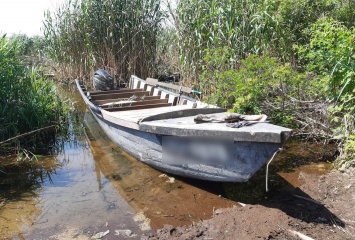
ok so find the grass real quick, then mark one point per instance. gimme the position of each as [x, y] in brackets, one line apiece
[28, 101]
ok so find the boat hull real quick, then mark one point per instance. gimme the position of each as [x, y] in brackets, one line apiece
[216, 159]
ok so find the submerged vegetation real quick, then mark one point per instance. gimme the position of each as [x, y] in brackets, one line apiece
[28, 101]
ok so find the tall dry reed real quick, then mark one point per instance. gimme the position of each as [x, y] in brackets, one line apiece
[119, 36]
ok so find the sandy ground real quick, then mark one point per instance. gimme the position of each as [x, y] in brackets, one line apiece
[322, 207]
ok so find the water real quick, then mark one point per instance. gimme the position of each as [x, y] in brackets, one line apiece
[64, 196]
[92, 186]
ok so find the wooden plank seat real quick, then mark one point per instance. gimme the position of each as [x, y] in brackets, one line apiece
[143, 106]
[137, 103]
[95, 93]
[119, 95]
[100, 103]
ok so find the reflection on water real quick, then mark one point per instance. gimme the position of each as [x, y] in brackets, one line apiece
[163, 199]
[61, 196]
[91, 186]
[20, 185]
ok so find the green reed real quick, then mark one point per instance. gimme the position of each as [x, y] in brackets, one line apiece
[117, 35]
[28, 101]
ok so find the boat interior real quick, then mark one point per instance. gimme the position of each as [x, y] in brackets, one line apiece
[153, 106]
[144, 94]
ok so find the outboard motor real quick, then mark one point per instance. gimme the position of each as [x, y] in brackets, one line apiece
[103, 80]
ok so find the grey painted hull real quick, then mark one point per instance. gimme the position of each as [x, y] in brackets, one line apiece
[169, 140]
[237, 162]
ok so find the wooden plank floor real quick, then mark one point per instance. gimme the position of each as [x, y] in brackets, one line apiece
[137, 115]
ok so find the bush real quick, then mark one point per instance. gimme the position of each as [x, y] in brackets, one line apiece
[330, 54]
[261, 84]
[28, 101]
[264, 85]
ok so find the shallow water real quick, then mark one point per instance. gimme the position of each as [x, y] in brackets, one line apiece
[93, 186]
[65, 196]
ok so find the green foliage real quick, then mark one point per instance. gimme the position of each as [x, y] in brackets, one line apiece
[345, 12]
[344, 133]
[27, 100]
[255, 80]
[330, 54]
[350, 146]
[296, 16]
[250, 27]
[348, 159]
[217, 77]
[28, 46]
[113, 34]
[261, 84]
[264, 85]
[243, 27]
[31, 49]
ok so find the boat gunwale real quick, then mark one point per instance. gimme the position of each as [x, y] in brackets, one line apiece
[91, 105]
[146, 124]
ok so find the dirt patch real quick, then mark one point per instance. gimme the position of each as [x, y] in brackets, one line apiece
[322, 207]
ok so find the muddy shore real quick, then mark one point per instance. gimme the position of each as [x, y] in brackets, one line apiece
[322, 207]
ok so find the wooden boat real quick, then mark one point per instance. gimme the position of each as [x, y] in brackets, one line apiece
[156, 126]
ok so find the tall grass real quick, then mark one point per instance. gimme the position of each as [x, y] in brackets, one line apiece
[27, 100]
[117, 35]
[244, 27]
[220, 41]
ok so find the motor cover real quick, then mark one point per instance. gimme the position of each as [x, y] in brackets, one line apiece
[103, 81]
